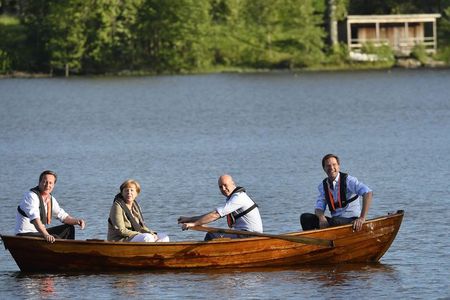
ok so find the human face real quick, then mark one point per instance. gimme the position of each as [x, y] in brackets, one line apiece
[47, 184]
[226, 185]
[332, 168]
[129, 193]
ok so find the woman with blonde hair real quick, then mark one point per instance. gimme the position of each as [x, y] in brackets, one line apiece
[126, 222]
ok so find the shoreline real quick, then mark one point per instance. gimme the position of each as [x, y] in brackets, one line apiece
[399, 64]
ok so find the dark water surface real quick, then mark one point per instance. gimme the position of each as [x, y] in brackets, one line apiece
[177, 134]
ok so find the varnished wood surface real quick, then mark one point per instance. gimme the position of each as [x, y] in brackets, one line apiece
[367, 245]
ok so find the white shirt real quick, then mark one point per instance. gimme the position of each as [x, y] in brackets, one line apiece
[240, 202]
[30, 205]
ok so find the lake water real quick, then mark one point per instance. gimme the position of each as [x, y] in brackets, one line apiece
[177, 134]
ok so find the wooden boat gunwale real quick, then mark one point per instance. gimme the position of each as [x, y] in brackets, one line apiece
[377, 236]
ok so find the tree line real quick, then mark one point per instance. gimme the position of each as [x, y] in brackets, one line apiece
[176, 36]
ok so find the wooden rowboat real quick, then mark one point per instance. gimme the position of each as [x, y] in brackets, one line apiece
[368, 245]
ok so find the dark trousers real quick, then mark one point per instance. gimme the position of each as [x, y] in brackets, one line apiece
[311, 221]
[66, 232]
[210, 236]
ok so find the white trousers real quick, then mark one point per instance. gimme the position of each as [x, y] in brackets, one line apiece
[150, 238]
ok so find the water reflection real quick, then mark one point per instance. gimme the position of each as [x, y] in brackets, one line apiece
[47, 286]
[125, 285]
[44, 284]
[341, 275]
[287, 281]
[259, 282]
[326, 276]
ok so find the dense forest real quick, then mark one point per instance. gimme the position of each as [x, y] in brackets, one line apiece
[179, 36]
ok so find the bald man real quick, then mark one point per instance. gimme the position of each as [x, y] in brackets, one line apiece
[241, 211]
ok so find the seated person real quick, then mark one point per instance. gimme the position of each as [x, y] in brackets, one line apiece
[242, 212]
[126, 222]
[341, 193]
[37, 208]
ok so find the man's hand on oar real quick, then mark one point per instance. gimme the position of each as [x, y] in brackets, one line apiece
[186, 226]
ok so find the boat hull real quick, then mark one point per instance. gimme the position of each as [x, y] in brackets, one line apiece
[368, 245]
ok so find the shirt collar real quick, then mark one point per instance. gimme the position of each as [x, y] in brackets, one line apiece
[336, 180]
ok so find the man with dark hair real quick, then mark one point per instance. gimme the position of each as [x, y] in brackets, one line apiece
[340, 192]
[37, 208]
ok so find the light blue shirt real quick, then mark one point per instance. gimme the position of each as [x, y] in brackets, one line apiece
[354, 187]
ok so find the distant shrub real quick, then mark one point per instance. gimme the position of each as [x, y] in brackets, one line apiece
[443, 54]
[5, 62]
[338, 55]
[419, 52]
[384, 52]
[13, 50]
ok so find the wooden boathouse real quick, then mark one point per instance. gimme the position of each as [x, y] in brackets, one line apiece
[400, 32]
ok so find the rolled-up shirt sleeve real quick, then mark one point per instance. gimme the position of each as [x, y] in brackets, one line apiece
[321, 203]
[356, 186]
[30, 205]
[231, 205]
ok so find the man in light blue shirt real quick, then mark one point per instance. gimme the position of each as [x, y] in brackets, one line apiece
[340, 192]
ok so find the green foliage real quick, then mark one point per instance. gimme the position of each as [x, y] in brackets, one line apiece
[5, 62]
[175, 36]
[67, 39]
[219, 11]
[338, 56]
[444, 28]
[281, 33]
[384, 53]
[419, 52]
[341, 9]
[110, 35]
[6, 20]
[444, 54]
[12, 39]
[34, 18]
[172, 38]
[225, 40]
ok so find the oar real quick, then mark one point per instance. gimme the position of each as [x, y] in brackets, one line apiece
[296, 239]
